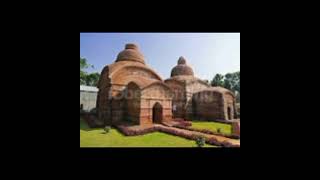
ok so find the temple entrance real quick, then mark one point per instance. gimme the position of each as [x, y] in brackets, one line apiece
[157, 113]
[229, 114]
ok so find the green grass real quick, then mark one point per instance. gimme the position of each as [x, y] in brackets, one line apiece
[213, 126]
[96, 137]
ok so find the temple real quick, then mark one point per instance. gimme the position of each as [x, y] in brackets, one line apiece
[131, 91]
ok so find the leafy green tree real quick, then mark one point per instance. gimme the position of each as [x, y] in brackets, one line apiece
[85, 78]
[92, 79]
[83, 66]
[218, 80]
[232, 81]
[229, 81]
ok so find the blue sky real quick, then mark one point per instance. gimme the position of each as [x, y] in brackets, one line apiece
[207, 53]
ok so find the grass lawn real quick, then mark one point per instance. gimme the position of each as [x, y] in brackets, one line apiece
[213, 126]
[96, 138]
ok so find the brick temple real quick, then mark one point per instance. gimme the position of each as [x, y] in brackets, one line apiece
[130, 90]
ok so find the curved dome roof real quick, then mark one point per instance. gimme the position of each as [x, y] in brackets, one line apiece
[130, 53]
[182, 69]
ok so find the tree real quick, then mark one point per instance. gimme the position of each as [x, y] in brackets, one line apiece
[85, 78]
[232, 81]
[218, 80]
[92, 79]
[83, 66]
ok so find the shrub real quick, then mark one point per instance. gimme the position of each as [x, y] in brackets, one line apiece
[107, 129]
[219, 130]
[200, 141]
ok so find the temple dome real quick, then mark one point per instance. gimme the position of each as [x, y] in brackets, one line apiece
[130, 53]
[182, 69]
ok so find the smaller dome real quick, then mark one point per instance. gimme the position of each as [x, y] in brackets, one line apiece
[181, 60]
[182, 69]
[132, 46]
[130, 53]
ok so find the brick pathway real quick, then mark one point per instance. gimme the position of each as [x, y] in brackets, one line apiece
[220, 139]
[166, 128]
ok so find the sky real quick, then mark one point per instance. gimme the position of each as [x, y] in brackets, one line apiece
[207, 53]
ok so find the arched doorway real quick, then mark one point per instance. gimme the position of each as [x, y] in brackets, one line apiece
[230, 117]
[157, 113]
